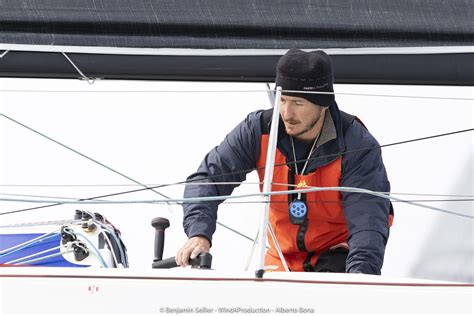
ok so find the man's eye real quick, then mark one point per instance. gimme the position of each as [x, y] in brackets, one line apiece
[299, 102]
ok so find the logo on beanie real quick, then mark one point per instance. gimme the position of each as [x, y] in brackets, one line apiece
[316, 87]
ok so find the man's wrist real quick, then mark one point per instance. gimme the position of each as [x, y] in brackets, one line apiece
[202, 236]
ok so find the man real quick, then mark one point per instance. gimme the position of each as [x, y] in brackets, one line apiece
[326, 231]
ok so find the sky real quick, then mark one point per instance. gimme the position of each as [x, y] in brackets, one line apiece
[158, 133]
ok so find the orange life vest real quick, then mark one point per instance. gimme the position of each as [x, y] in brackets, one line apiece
[326, 225]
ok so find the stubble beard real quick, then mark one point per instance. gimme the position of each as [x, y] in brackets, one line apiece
[307, 128]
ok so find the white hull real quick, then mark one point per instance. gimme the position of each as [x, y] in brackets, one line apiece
[187, 291]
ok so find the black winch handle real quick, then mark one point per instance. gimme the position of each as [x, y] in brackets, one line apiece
[202, 261]
[160, 224]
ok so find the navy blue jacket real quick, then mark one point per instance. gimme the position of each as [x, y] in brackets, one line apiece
[366, 215]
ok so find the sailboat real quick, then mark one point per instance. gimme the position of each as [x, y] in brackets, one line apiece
[74, 254]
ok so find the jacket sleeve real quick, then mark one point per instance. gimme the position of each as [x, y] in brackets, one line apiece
[236, 156]
[366, 215]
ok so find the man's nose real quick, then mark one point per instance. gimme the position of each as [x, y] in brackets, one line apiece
[287, 113]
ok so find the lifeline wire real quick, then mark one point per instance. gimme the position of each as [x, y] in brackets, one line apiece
[40, 196]
[147, 188]
[224, 197]
[202, 183]
[259, 202]
[248, 170]
[79, 153]
[191, 183]
[268, 91]
[237, 91]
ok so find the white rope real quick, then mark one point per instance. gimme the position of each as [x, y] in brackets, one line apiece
[42, 196]
[224, 197]
[108, 228]
[48, 223]
[114, 256]
[18, 260]
[238, 91]
[26, 243]
[194, 183]
[128, 185]
[44, 257]
[82, 155]
[62, 222]
[83, 76]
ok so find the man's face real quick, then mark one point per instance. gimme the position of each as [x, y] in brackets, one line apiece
[301, 117]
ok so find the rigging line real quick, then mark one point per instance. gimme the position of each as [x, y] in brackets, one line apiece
[235, 231]
[198, 183]
[27, 243]
[319, 202]
[48, 223]
[122, 185]
[81, 154]
[379, 95]
[333, 202]
[224, 197]
[435, 195]
[91, 159]
[239, 91]
[40, 196]
[470, 198]
[336, 201]
[248, 170]
[19, 260]
[111, 248]
[44, 257]
[304, 160]
[112, 232]
[90, 80]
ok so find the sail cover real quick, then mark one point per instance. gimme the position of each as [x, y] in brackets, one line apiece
[380, 42]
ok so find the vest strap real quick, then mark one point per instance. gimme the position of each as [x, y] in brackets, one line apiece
[303, 228]
[307, 267]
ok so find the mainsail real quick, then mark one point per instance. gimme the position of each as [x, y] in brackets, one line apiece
[376, 42]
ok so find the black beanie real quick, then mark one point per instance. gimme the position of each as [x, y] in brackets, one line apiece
[306, 71]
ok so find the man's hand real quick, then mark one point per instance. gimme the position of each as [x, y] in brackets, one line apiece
[192, 247]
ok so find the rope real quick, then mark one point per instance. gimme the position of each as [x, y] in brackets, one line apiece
[45, 257]
[224, 197]
[246, 171]
[19, 260]
[196, 183]
[238, 91]
[109, 243]
[26, 243]
[80, 154]
[469, 198]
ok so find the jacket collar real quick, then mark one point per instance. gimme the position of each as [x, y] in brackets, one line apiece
[330, 143]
